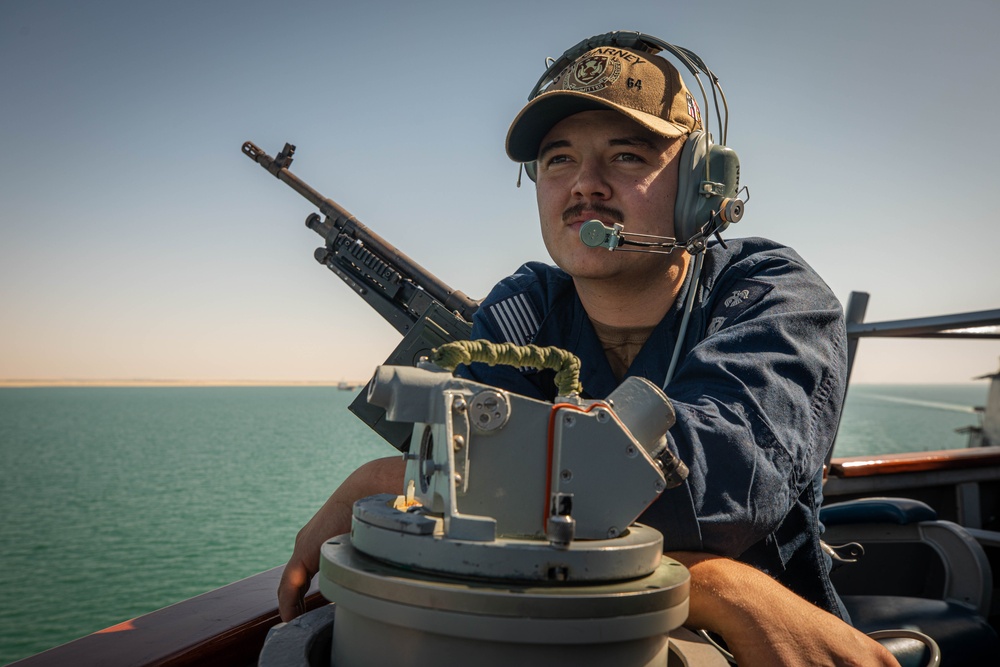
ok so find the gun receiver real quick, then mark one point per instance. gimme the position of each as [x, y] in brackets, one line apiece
[425, 310]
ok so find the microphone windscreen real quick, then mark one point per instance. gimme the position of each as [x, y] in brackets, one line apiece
[593, 233]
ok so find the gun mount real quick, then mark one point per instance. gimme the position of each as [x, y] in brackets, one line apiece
[514, 540]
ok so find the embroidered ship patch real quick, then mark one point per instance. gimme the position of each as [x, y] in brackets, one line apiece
[735, 301]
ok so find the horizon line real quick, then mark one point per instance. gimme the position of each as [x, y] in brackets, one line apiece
[348, 384]
[152, 382]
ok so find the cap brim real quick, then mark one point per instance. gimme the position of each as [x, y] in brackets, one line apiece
[541, 114]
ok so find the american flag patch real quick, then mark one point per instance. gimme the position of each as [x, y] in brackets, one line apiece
[516, 318]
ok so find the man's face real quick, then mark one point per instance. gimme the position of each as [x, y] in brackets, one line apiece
[601, 165]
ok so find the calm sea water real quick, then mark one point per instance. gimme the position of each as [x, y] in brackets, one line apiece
[118, 501]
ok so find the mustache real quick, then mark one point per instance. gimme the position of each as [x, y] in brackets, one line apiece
[577, 209]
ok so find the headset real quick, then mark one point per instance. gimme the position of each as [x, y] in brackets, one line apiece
[709, 180]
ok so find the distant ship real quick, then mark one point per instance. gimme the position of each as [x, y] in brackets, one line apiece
[987, 432]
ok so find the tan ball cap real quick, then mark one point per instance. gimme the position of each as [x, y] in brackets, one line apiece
[644, 87]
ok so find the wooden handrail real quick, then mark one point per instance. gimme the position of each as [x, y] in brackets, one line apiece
[223, 628]
[905, 462]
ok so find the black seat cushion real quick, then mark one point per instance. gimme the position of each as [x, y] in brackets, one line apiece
[965, 638]
[899, 511]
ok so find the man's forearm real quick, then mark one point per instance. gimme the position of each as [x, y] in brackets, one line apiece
[334, 518]
[766, 624]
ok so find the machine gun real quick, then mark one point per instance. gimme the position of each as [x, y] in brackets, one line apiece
[426, 311]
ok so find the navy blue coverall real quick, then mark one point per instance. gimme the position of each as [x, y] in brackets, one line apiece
[758, 392]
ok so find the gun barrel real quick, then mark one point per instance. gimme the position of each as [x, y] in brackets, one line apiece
[339, 219]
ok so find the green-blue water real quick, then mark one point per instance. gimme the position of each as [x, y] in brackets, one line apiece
[907, 418]
[118, 501]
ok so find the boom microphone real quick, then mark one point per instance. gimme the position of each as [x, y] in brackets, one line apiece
[595, 234]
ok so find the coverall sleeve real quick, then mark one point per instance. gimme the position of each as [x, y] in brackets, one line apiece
[758, 398]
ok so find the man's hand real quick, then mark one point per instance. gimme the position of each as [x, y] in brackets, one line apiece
[765, 624]
[334, 518]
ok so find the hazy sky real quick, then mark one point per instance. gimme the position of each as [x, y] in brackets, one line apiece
[136, 241]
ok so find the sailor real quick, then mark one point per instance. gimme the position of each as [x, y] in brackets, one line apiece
[760, 369]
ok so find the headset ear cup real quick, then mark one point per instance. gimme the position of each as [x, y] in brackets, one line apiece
[699, 213]
[691, 170]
